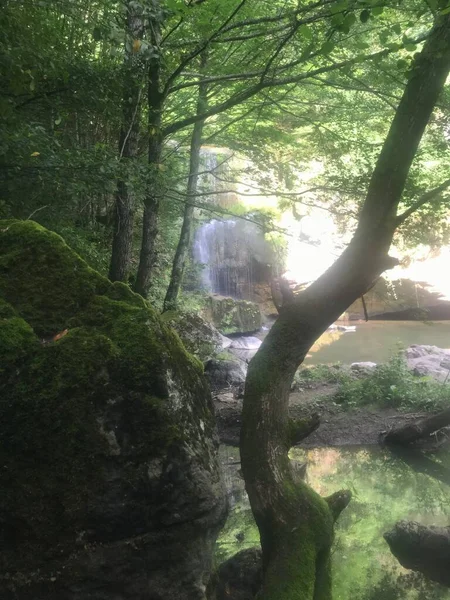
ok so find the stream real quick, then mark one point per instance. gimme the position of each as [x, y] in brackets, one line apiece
[385, 489]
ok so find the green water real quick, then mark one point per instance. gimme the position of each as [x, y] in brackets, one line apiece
[376, 340]
[385, 490]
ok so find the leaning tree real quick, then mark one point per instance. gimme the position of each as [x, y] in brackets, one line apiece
[295, 523]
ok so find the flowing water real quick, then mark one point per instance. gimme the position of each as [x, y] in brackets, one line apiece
[385, 490]
[234, 256]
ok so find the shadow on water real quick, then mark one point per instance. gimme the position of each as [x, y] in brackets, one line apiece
[422, 464]
[386, 488]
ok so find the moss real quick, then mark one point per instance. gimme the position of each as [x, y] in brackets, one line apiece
[234, 316]
[17, 338]
[45, 281]
[71, 405]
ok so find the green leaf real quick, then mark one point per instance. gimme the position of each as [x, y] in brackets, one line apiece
[364, 16]
[58, 121]
[377, 10]
[445, 11]
[327, 47]
[410, 47]
[305, 32]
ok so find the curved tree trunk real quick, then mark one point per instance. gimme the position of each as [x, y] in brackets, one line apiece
[128, 147]
[179, 262]
[420, 548]
[295, 523]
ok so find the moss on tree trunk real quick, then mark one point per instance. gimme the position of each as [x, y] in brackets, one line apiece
[295, 523]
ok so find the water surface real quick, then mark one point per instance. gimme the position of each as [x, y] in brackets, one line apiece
[376, 341]
[385, 489]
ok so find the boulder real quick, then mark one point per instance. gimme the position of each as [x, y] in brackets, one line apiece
[110, 481]
[429, 361]
[234, 316]
[225, 373]
[199, 337]
[240, 577]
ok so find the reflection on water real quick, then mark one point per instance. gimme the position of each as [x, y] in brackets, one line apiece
[376, 340]
[385, 489]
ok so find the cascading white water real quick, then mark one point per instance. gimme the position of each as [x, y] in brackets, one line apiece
[233, 254]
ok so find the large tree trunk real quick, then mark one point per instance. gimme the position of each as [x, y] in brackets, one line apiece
[128, 146]
[412, 432]
[420, 548]
[295, 523]
[147, 257]
[179, 262]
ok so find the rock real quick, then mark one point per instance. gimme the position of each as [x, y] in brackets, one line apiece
[110, 480]
[240, 577]
[429, 361]
[234, 316]
[225, 373]
[200, 338]
[363, 366]
[227, 397]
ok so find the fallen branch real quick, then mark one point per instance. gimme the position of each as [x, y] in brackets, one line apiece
[412, 432]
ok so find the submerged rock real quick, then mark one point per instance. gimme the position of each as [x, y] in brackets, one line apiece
[110, 482]
[234, 316]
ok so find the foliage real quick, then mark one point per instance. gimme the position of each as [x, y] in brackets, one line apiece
[393, 385]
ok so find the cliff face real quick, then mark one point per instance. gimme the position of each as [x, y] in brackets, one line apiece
[111, 487]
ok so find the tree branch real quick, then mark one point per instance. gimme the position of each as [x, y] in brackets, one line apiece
[424, 199]
[199, 50]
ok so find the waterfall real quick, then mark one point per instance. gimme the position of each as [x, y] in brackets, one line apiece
[234, 255]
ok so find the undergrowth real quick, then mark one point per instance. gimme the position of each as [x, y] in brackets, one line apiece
[393, 385]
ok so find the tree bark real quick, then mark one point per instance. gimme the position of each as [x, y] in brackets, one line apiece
[179, 262]
[415, 431]
[128, 146]
[295, 523]
[147, 257]
[420, 548]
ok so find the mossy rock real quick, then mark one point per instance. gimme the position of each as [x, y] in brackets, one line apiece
[199, 336]
[234, 316]
[106, 434]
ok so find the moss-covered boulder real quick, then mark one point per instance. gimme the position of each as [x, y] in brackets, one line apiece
[199, 336]
[234, 316]
[110, 484]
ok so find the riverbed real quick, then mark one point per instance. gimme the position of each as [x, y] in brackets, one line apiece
[385, 488]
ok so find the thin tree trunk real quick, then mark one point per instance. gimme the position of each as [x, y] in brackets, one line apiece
[295, 523]
[124, 205]
[420, 548]
[147, 256]
[179, 262]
